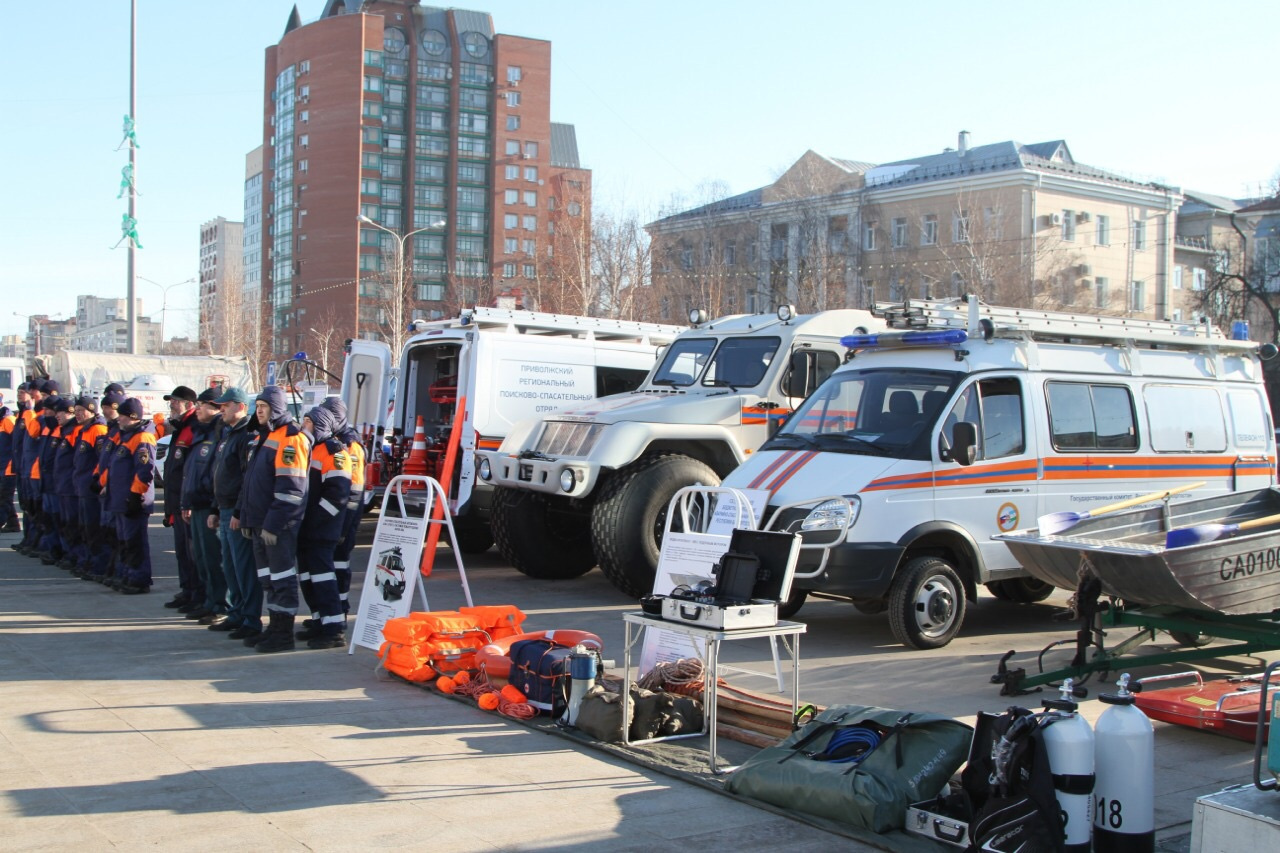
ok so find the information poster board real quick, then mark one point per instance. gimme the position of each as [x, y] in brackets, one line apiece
[391, 579]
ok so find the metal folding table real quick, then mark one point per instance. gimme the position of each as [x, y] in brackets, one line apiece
[788, 632]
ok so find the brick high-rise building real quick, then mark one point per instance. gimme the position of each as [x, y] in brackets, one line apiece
[423, 121]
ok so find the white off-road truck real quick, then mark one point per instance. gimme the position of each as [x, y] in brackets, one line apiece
[589, 485]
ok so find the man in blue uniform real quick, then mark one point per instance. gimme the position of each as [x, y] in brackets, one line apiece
[131, 496]
[244, 593]
[197, 507]
[271, 507]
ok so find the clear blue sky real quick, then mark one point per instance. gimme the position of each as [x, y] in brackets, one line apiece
[668, 98]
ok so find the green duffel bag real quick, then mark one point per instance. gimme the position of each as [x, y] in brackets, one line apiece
[858, 765]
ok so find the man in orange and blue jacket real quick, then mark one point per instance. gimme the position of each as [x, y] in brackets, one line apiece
[272, 502]
[8, 515]
[131, 496]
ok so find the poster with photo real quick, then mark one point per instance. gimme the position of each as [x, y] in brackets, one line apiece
[685, 559]
[391, 579]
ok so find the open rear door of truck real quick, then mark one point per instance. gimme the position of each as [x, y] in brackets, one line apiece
[368, 384]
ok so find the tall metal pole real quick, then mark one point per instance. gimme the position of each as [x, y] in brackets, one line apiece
[133, 170]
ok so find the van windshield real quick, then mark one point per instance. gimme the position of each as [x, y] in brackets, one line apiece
[737, 363]
[885, 412]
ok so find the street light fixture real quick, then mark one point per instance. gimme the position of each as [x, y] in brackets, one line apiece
[397, 304]
[164, 303]
[39, 328]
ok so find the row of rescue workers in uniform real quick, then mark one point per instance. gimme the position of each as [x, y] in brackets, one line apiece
[262, 508]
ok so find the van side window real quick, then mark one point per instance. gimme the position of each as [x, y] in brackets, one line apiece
[995, 407]
[1183, 419]
[1084, 416]
[617, 380]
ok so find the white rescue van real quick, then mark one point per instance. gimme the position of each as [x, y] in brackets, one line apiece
[508, 366]
[968, 421]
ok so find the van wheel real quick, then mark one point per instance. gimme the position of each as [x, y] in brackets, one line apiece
[790, 607]
[997, 589]
[1027, 590]
[473, 537]
[870, 606]
[926, 603]
[538, 540]
[627, 523]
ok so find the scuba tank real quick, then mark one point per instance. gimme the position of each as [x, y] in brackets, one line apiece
[1068, 740]
[1124, 757]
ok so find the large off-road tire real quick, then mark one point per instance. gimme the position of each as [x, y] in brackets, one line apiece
[926, 603]
[1021, 590]
[539, 539]
[473, 537]
[631, 509]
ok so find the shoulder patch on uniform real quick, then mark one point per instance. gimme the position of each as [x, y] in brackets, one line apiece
[144, 454]
[340, 460]
[289, 455]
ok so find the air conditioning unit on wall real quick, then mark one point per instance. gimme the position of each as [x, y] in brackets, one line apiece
[1053, 219]
[1084, 216]
[1085, 269]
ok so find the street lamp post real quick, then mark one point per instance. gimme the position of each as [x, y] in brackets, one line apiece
[36, 324]
[164, 302]
[397, 303]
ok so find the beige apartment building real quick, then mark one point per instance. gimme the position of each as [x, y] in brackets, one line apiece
[1022, 225]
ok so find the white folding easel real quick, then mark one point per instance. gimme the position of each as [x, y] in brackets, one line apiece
[702, 509]
[411, 531]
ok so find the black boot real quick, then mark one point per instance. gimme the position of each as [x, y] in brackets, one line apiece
[310, 630]
[279, 637]
[327, 641]
[273, 623]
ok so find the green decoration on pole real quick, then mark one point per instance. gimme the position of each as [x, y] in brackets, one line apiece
[130, 136]
[126, 181]
[129, 230]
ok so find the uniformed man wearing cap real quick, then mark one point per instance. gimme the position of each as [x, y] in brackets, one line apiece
[197, 507]
[328, 489]
[107, 551]
[23, 414]
[272, 502]
[8, 515]
[49, 548]
[181, 429]
[30, 472]
[130, 496]
[355, 503]
[90, 444]
[68, 520]
[231, 460]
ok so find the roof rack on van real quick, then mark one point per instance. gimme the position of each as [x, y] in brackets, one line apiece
[982, 321]
[517, 321]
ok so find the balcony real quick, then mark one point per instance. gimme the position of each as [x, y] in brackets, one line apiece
[1193, 244]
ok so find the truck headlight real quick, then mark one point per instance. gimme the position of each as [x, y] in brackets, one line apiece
[835, 514]
[485, 471]
[568, 479]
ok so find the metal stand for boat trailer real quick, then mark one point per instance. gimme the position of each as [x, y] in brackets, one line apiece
[1250, 633]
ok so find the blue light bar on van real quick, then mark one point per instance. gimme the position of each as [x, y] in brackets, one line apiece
[939, 337]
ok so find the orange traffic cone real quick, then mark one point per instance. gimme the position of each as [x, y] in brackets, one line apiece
[416, 463]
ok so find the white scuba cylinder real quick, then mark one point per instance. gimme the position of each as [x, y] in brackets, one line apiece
[1123, 792]
[1068, 739]
[582, 675]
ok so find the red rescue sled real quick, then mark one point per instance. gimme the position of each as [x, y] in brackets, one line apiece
[1227, 706]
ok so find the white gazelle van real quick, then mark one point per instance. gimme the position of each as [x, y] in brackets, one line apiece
[964, 421]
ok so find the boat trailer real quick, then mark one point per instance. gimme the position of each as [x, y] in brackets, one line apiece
[1193, 629]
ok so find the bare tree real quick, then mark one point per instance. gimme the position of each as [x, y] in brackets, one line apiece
[621, 266]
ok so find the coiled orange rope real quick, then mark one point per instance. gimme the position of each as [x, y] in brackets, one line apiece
[479, 686]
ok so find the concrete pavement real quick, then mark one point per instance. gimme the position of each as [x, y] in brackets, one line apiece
[124, 726]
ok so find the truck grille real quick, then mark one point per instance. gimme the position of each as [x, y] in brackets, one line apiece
[566, 438]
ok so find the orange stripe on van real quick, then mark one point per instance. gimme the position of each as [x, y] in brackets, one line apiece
[791, 471]
[770, 468]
